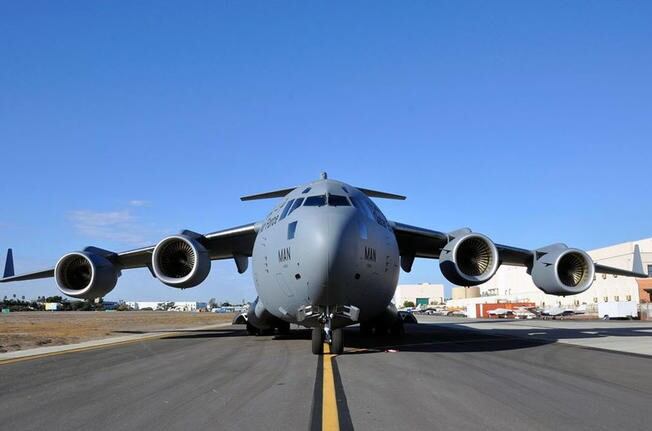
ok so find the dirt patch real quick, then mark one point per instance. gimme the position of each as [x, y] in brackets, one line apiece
[25, 330]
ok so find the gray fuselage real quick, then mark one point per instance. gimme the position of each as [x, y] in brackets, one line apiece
[325, 244]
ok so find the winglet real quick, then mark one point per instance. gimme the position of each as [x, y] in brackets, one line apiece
[9, 265]
[637, 261]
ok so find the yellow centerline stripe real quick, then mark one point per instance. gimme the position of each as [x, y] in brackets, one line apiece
[329, 415]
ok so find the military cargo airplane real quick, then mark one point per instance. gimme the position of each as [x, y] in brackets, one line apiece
[325, 257]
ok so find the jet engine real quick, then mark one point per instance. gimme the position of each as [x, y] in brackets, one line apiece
[559, 270]
[85, 275]
[468, 259]
[181, 261]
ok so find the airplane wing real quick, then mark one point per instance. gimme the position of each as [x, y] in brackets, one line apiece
[420, 242]
[234, 243]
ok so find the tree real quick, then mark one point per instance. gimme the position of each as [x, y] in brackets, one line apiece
[123, 306]
[409, 304]
[212, 303]
[54, 299]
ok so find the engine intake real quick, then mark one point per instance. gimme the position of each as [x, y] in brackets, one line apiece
[85, 275]
[559, 270]
[181, 261]
[469, 259]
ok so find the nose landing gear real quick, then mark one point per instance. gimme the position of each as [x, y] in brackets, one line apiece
[317, 341]
[323, 316]
[337, 342]
[333, 337]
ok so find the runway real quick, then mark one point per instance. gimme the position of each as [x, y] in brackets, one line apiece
[436, 377]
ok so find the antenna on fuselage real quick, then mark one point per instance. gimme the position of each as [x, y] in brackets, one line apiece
[323, 175]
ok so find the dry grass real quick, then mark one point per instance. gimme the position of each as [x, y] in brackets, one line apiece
[24, 330]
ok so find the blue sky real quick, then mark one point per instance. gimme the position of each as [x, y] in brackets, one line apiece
[121, 122]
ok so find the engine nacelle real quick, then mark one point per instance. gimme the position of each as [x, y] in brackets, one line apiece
[469, 259]
[85, 275]
[558, 270]
[181, 261]
[260, 318]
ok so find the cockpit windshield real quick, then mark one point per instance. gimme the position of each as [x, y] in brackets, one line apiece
[338, 201]
[315, 201]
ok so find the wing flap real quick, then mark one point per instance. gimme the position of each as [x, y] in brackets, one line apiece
[604, 269]
[46, 273]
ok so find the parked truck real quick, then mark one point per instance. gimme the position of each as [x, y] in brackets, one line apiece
[618, 310]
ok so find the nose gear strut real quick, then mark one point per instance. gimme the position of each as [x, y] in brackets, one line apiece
[325, 332]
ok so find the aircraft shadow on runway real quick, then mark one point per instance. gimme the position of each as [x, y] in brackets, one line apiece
[424, 337]
[191, 333]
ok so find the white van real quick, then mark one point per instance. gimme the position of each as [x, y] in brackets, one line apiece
[618, 310]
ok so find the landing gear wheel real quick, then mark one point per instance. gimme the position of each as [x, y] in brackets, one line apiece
[337, 342]
[381, 329]
[284, 328]
[251, 329]
[397, 328]
[317, 341]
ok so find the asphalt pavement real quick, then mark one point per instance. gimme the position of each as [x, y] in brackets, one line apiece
[436, 377]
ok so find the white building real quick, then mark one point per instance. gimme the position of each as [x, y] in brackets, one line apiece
[167, 305]
[515, 285]
[420, 294]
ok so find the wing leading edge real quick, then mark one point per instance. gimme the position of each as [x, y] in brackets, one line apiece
[234, 243]
[415, 241]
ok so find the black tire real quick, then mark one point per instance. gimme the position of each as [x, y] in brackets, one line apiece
[284, 328]
[380, 329]
[251, 329]
[337, 342]
[317, 341]
[605, 317]
[397, 328]
[366, 329]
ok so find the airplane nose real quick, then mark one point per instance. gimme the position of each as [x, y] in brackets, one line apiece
[332, 253]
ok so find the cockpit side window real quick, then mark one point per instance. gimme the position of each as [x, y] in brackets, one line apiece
[315, 201]
[362, 206]
[306, 190]
[378, 215]
[292, 230]
[338, 201]
[286, 209]
[297, 204]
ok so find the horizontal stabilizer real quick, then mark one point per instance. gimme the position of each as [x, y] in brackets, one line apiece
[378, 194]
[267, 195]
